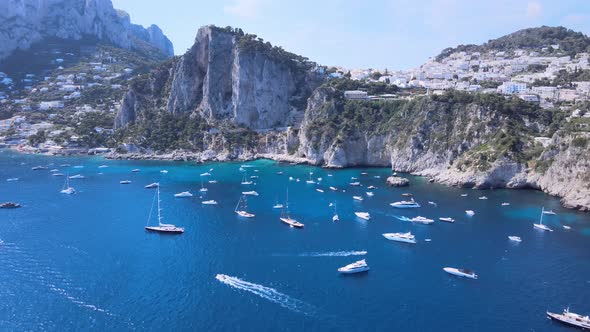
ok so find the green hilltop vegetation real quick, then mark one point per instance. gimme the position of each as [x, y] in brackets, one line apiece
[569, 41]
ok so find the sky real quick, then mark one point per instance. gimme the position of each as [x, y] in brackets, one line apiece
[392, 34]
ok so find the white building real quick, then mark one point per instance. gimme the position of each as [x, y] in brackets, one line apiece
[512, 87]
[356, 95]
[47, 105]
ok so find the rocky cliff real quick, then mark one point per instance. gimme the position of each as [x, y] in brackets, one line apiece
[227, 76]
[25, 22]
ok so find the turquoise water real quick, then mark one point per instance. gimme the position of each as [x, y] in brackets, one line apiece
[84, 262]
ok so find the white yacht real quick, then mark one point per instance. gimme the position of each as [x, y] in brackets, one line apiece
[66, 188]
[505, 204]
[12, 179]
[400, 237]
[77, 176]
[319, 190]
[422, 220]
[286, 216]
[164, 171]
[405, 204]
[335, 218]
[333, 188]
[371, 187]
[57, 174]
[241, 208]
[460, 272]
[469, 213]
[210, 202]
[370, 193]
[137, 170]
[571, 318]
[183, 194]
[447, 219]
[540, 224]
[125, 182]
[482, 197]
[358, 198]
[567, 227]
[278, 206]
[356, 184]
[549, 212]
[356, 267]
[515, 238]
[212, 181]
[363, 215]
[251, 193]
[205, 174]
[162, 228]
[432, 203]
[152, 185]
[463, 195]
[103, 166]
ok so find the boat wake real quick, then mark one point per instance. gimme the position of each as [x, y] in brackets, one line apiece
[402, 218]
[268, 293]
[334, 254]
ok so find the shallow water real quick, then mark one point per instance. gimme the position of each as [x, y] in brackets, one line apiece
[84, 262]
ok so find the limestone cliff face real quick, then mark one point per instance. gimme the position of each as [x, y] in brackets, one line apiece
[25, 22]
[223, 81]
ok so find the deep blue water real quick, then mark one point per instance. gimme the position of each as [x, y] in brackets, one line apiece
[84, 262]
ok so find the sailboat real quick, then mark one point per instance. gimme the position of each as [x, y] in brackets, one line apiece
[161, 228]
[66, 188]
[335, 217]
[245, 180]
[241, 208]
[540, 224]
[203, 189]
[286, 217]
[310, 181]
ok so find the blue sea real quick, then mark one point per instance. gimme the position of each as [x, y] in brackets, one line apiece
[85, 263]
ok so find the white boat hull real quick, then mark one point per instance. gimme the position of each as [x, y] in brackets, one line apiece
[457, 272]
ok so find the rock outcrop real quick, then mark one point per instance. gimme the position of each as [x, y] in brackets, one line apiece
[25, 22]
[226, 76]
[396, 181]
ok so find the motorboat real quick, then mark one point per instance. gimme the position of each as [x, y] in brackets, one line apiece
[540, 225]
[38, 168]
[483, 197]
[333, 188]
[164, 171]
[447, 219]
[370, 193]
[460, 272]
[356, 184]
[567, 227]
[358, 198]
[205, 174]
[210, 202]
[549, 212]
[212, 181]
[278, 206]
[363, 215]
[152, 185]
[400, 237]
[137, 170]
[161, 227]
[405, 204]
[9, 205]
[251, 193]
[470, 213]
[356, 267]
[12, 179]
[505, 204]
[570, 318]
[463, 195]
[183, 194]
[125, 182]
[103, 166]
[432, 203]
[58, 174]
[77, 176]
[335, 218]
[515, 238]
[371, 187]
[422, 220]
[319, 190]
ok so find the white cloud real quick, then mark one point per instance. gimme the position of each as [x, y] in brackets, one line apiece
[244, 8]
[533, 9]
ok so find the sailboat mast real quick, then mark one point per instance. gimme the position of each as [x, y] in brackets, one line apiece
[542, 212]
[159, 210]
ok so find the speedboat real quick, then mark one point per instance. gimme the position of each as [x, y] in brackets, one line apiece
[461, 272]
[205, 174]
[405, 204]
[567, 227]
[9, 205]
[371, 187]
[203, 190]
[505, 204]
[515, 238]
[400, 237]
[12, 179]
[278, 206]
[251, 193]
[210, 202]
[482, 197]
[152, 185]
[319, 190]
[356, 184]
[432, 203]
[570, 318]
[77, 176]
[164, 171]
[370, 194]
[333, 188]
[246, 182]
[469, 212]
[549, 212]
[54, 170]
[124, 182]
[422, 220]
[183, 194]
[212, 181]
[463, 195]
[310, 181]
[356, 267]
[363, 215]
[447, 219]
[135, 170]
[358, 198]
[38, 168]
